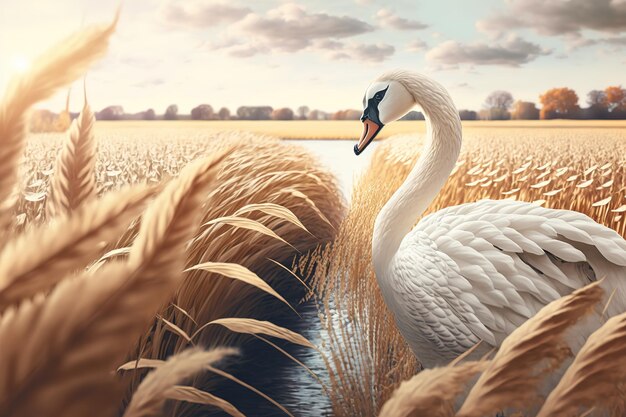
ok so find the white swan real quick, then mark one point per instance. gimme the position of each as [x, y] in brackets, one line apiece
[475, 271]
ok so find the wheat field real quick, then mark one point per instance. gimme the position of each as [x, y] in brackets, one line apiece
[139, 258]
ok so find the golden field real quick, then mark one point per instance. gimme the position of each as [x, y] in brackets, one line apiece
[329, 129]
[138, 257]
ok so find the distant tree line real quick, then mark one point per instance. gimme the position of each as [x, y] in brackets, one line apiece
[556, 103]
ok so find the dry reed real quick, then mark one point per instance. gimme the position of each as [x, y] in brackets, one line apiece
[596, 378]
[432, 392]
[528, 354]
[38, 259]
[260, 174]
[74, 181]
[59, 66]
[150, 397]
[78, 319]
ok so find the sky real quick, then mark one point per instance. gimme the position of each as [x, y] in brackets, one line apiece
[323, 53]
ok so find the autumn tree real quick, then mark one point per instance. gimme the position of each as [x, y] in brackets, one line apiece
[171, 113]
[559, 103]
[616, 98]
[303, 112]
[254, 112]
[110, 113]
[498, 104]
[524, 110]
[224, 113]
[282, 114]
[347, 115]
[202, 112]
[598, 105]
[468, 115]
[318, 115]
[149, 114]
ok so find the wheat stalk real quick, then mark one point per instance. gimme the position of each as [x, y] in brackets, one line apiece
[36, 260]
[150, 397]
[431, 392]
[57, 67]
[194, 395]
[596, 376]
[512, 378]
[87, 324]
[74, 181]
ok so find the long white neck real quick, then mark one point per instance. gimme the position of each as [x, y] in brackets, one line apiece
[440, 153]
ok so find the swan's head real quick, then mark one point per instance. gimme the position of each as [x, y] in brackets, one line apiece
[385, 101]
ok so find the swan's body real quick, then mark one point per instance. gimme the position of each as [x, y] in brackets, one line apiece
[476, 271]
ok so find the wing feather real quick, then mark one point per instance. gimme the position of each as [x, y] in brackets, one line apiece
[515, 257]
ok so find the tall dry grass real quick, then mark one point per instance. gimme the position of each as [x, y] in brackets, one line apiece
[596, 378]
[70, 311]
[510, 380]
[74, 181]
[236, 229]
[582, 170]
[61, 65]
[515, 375]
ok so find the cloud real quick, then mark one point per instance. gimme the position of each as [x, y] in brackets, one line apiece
[200, 13]
[513, 52]
[558, 17]
[389, 19]
[417, 46]
[291, 28]
[362, 52]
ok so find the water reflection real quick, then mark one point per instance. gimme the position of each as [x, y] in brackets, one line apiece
[264, 367]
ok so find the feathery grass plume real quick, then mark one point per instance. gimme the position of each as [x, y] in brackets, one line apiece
[151, 395]
[194, 395]
[257, 171]
[59, 66]
[512, 377]
[431, 392]
[38, 259]
[596, 376]
[74, 180]
[87, 324]
[251, 326]
[172, 216]
[355, 318]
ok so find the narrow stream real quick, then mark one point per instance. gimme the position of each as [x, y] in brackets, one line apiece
[264, 367]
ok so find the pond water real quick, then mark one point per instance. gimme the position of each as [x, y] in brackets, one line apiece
[269, 370]
[339, 158]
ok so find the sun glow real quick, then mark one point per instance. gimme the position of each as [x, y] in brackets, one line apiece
[20, 64]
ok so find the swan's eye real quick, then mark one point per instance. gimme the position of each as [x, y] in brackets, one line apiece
[378, 96]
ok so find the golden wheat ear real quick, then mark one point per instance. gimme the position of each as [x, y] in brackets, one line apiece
[431, 392]
[597, 374]
[512, 378]
[153, 392]
[88, 324]
[38, 259]
[74, 180]
[56, 68]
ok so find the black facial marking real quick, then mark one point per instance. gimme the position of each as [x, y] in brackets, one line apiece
[371, 111]
[381, 94]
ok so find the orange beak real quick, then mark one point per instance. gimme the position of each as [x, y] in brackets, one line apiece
[370, 130]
